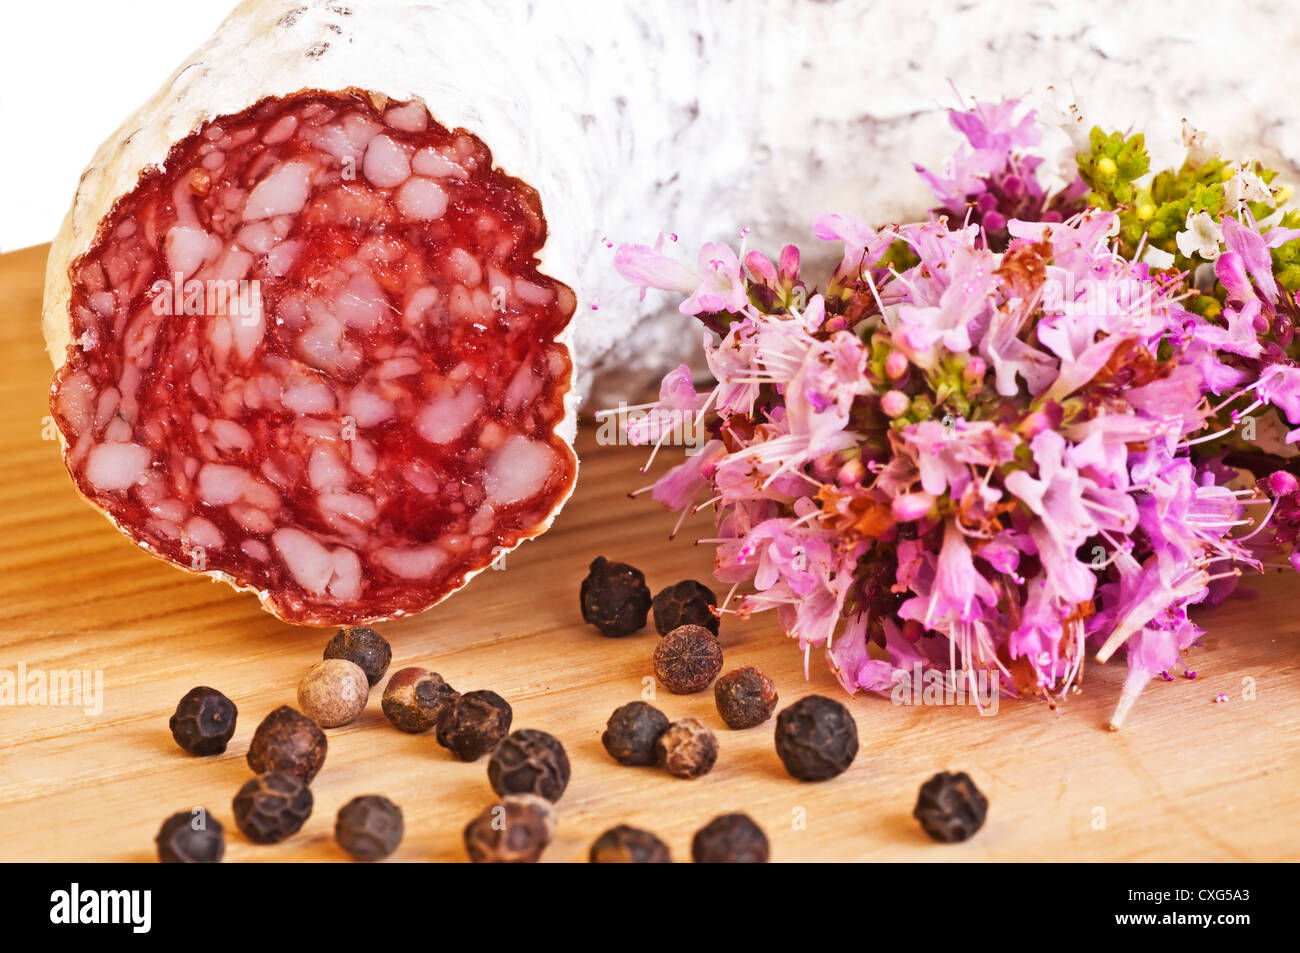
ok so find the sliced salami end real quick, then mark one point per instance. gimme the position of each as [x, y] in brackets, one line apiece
[313, 354]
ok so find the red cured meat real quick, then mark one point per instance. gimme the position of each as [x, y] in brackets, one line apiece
[313, 353]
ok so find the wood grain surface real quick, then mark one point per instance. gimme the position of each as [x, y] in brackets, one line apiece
[1187, 778]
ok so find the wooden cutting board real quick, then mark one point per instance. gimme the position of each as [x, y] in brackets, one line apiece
[1187, 778]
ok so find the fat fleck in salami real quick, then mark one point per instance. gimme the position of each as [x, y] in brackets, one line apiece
[315, 354]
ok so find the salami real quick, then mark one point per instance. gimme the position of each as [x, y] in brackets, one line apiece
[315, 354]
[312, 307]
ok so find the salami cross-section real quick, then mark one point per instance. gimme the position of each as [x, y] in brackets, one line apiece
[312, 353]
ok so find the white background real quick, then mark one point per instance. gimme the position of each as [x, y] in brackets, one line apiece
[70, 72]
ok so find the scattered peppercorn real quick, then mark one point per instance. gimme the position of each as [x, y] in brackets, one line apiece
[513, 831]
[369, 827]
[615, 598]
[746, 697]
[687, 659]
[364, 647]
[631, 733]
[272, 806]
[816, 738]
[730, 839]
[288, 741]
[473, 723]
[529, 762]
[204, 721]
[415, 698]
[191, 837]
[333, 692]
[950, 807]
[685, 603]
[687, 749]
[629, 845]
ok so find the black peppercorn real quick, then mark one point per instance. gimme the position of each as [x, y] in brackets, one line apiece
[615, 598]
[363, 647]
[631, 733]
[191, 837]
[288, 741]
[950, 807]
[369, 827]
[745, 697]
[687, 749]
[685, 603]
[415, 698]
[513, 831]
[272, 806]
[730, 839]
[629, 845]
[529, 762]
[473, 723]
[204, 721]
[816, 738]
[687, 659]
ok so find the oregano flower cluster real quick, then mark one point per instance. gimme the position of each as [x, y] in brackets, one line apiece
[1007, 439]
